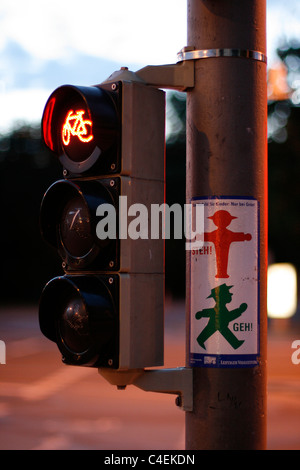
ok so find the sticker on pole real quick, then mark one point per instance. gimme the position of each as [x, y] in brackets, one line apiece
[224, 302]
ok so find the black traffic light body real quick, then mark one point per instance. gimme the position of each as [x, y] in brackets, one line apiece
[107, 308]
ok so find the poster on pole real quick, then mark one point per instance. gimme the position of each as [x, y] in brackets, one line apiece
[224, 285]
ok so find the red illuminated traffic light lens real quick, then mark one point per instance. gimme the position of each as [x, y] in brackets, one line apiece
[77, 137]
[81, 125]
[76, 126]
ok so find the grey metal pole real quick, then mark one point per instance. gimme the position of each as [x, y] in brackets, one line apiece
[227, 169]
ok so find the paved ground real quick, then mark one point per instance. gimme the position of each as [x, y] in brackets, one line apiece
[46, 405]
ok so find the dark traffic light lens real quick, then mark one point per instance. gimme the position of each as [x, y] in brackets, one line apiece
[69, 220]
[75, 228]
[78, 313]
[74, 326]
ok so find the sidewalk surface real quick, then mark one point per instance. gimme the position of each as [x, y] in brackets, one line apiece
[47, 405]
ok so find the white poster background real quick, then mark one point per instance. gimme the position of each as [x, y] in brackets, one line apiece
[243, 275]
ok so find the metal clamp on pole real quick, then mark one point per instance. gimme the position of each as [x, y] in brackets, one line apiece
[177, 381]
[188, 53]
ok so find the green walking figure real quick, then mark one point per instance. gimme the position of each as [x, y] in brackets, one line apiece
[219, 317]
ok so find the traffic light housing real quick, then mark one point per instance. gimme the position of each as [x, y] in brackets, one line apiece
[106, 310]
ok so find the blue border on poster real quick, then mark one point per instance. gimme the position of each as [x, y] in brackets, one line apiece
[231, 360]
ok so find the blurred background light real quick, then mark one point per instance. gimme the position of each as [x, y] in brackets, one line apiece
[282, 290]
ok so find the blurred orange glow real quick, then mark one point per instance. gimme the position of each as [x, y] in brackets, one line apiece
[278, 88]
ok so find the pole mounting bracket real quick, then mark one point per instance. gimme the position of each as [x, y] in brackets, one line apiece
[179, 76]
[177, 381]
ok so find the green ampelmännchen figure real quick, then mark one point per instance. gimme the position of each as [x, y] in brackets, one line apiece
[219, 317]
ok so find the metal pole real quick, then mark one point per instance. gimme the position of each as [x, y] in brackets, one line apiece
[227, 158]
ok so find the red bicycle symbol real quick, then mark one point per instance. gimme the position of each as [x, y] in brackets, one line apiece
[75, 125]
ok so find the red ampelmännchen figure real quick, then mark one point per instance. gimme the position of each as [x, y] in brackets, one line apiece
[222, 238]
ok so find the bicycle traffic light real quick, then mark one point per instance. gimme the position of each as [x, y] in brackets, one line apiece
[106, 310]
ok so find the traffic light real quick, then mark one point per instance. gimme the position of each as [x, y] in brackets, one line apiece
[106, 309]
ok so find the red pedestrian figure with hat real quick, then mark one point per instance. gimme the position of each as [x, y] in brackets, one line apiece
[222, 238]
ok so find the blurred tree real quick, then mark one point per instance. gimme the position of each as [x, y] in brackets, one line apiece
[175, 189]
[26, 170]
[284, 160]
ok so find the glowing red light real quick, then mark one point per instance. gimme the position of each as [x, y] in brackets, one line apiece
[75, 126]
[47, 121]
